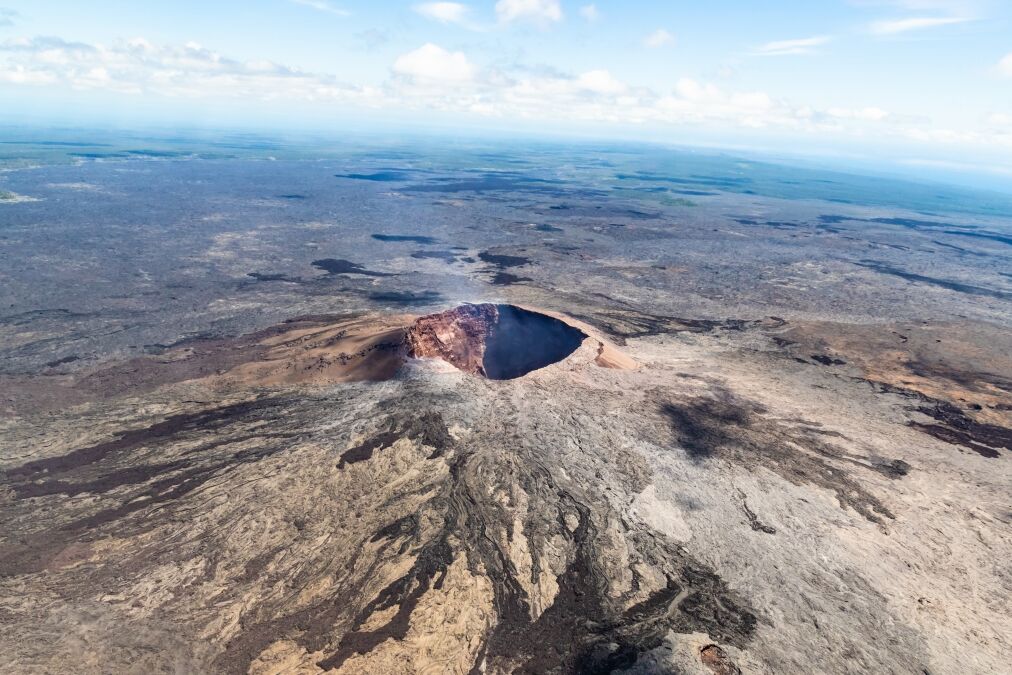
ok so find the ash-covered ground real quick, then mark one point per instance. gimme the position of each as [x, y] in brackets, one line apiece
[776, 438]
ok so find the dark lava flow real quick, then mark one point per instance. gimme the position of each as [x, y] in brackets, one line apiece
[522, 341]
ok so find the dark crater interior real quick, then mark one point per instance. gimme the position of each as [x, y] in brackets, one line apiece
[521, 341]
[500, 342]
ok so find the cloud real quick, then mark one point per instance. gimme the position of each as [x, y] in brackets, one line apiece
[600, 82]
[590, 12]
[939, 5]
[322, 6]
[139, 67]
[893, 26]
[1005, 65]
[7, 16]
[445, 12]
[432, 63]
[658, 38]
[541, 12]
[947, 165]
[433, 79]
[871, 114]
[419, 82]
[951, 7]
[704, 103]
[789, 47]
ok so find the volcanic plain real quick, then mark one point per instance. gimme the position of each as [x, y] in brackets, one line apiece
[402, 409]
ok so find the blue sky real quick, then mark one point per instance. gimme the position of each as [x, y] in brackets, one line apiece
[920, 83]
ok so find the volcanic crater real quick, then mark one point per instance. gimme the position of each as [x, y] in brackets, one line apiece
[500, 342]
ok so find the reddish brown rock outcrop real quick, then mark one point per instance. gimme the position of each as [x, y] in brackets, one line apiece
[717, 660]
[458, 336]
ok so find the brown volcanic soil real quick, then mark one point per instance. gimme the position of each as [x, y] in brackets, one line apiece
[361, 349]
[961, 363]
[956, 375]
[310, 349]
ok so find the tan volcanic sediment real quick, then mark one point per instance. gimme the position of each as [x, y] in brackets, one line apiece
[317, 349]
[958, 363]
[314, 350]
[360, 349]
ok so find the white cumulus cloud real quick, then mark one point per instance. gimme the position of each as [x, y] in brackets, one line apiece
[538, 11]
[870, 114]
[432, 78]
[600, 82]
[139, 67]
[658, 38]
[433, 63]
[590, 12]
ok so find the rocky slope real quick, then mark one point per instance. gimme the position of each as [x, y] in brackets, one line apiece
[711, 510]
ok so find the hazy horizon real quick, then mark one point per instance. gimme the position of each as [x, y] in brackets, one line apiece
[914, 87]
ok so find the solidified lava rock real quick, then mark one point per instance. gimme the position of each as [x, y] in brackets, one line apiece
[717, 660]
[500, 342]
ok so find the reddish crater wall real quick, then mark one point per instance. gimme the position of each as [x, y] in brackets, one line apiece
[457, 336]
